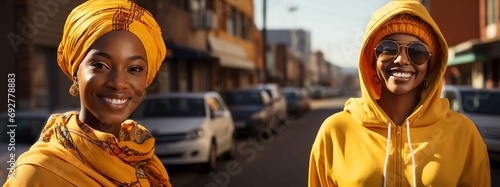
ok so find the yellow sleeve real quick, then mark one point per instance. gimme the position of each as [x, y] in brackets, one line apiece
[317, 172]
[477, 169]
[314, 171]
[35, 176]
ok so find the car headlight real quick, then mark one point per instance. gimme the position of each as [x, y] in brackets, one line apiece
[258, 115]
[194, 134]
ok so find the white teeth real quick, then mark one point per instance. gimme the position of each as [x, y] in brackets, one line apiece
[401, 74]
[115, 101]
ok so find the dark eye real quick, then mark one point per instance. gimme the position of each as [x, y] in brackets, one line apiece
[136, 69]
[98, 65]
[390, 50]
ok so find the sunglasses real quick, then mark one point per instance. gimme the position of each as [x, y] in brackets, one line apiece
[388, 50]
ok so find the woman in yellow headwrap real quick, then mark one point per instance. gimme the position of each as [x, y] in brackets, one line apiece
[112, 51]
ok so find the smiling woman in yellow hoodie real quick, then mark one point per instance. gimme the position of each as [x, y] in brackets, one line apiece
[400, 132]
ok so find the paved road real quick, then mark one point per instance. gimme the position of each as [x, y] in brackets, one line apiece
[281, 160]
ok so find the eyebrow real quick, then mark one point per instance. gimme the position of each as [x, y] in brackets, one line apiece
[106, 55]
[103, 54]
[136, 57]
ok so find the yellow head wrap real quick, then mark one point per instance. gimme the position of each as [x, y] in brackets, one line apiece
[94, 18]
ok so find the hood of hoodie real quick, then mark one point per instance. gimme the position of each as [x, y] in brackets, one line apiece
[365, 109]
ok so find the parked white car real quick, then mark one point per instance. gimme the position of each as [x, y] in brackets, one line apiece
[482, 106]
[189, 128]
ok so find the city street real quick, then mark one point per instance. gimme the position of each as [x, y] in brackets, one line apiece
[281, 160]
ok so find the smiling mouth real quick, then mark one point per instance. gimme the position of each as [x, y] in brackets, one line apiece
[115, 101]
[400, 75]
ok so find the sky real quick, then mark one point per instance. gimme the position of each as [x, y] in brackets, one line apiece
[336, 26]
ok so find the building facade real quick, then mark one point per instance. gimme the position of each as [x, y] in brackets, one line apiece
[472, 30]
[287, 56]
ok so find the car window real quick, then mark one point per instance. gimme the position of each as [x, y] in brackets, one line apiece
[171, 107]
[291, 95]
[242, 98]
[27, 130]
[481, 102]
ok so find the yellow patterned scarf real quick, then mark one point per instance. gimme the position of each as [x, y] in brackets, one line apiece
[86, 156]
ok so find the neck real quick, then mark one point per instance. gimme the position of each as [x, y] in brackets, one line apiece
[398, 106]
[89, 119]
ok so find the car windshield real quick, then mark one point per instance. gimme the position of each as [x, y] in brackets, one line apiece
[242, 98]
[291, 95]
[26, 132]
[171, 107]
[481, 102]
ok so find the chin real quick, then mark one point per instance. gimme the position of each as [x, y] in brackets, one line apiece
[398, 89]
[113, 119]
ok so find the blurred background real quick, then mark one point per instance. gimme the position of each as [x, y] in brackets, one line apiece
[224, 45]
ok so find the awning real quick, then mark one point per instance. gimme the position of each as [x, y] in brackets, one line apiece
[230, 54]
[466, 58]
[183, 52]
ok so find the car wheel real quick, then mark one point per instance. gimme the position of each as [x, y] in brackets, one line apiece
[212, 160]
[229, 155]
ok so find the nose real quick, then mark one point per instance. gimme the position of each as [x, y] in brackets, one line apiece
[117, 79]
[402, 58]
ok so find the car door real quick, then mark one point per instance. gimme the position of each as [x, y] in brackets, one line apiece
[221, 123]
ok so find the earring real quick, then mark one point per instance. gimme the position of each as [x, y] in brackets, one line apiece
[426, 84]
[73, 90]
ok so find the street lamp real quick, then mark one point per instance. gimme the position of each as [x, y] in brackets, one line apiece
[294, 42]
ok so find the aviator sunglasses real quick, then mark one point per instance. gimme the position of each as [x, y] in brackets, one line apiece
[387, 50]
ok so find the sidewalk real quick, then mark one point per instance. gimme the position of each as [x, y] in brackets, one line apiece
[335, 102]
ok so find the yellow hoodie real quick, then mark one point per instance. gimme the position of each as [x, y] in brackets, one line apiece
[435, 146]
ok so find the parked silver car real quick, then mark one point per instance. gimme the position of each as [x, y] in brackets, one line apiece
[279, 104]
[189, 128]
[297, 100]
[482, 106]
[251, 109]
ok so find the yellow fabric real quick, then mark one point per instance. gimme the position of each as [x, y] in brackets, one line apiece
[350, 147]
[94, 18]
[71, 152]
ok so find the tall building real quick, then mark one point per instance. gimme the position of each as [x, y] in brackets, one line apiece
[296, 39]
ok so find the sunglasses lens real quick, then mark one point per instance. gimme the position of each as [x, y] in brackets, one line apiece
[418, 53]
[386, 51]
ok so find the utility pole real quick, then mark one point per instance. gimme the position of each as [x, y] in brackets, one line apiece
[264, 39]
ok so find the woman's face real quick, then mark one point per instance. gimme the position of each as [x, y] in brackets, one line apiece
[112, 79]
[400, 76]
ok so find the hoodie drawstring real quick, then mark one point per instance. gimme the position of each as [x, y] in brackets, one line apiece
[387, 151]
[412, 155]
